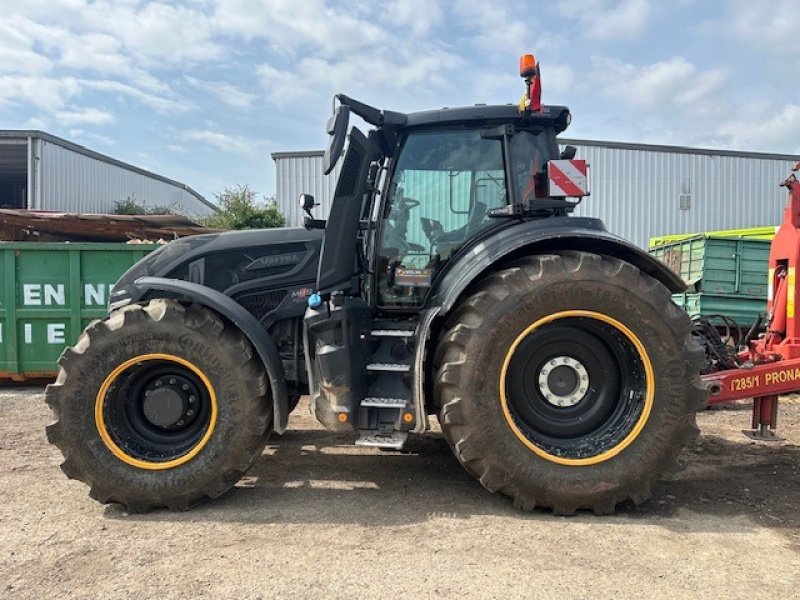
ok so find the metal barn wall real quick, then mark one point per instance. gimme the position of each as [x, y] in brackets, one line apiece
[301, 173]
[636, 188]
[68, 180]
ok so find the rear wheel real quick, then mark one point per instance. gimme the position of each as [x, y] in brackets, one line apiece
[159, 405]
[568, 381]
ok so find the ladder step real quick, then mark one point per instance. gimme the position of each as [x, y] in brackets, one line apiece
[391, 367]
[392, 333]
[385, 402]
[377, 439]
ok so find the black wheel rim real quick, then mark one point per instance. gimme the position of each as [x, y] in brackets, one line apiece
[575, 387]
[157, 411]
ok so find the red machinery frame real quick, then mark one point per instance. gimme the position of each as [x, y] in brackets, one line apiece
[770, 364]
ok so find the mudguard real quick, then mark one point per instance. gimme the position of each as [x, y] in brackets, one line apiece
[538, 237]
[247, 324]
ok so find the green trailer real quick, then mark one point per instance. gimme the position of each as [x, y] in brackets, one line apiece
[51, 291]
[725, 274]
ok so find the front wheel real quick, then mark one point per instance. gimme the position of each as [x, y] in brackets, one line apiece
[568, 381]
[159, 405]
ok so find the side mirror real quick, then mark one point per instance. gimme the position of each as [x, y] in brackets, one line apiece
[337, 130]
[307, 202]
[569, 152]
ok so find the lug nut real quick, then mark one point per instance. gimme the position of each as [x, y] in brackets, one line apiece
[172, 381]
[159, 383]
[185, 387]
[189, 412]
[192, 399]
[179, 423]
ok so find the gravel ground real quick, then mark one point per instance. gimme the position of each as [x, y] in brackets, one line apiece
[320, 518]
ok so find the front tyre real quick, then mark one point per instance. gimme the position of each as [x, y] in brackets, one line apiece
[159, 405]
[568, 381]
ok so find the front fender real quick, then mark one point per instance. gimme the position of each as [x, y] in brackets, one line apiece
[246, 323]
[539, 237]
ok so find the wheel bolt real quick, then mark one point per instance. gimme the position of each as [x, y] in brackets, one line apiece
[159, 383]
[179, 423]
[185, 387]
[189, 412]
[192, 399]
[172, 381]
[553, 363]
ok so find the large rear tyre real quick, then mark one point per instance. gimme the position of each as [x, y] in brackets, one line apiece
[568, 381]
[159, 405]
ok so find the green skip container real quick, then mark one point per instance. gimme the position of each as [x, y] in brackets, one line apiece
[725, 274]
[51, 291]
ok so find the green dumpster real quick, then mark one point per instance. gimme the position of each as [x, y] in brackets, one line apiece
[725, 274]
[51, 291]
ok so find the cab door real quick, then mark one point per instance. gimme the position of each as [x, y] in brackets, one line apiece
[441, 188]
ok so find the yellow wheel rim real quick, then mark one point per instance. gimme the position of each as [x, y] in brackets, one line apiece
[638, 426]
[132, 460]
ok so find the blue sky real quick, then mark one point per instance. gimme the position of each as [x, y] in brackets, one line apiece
[203, 90]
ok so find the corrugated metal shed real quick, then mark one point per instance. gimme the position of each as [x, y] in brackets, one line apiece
[301, 173]
[639, 190]
[58, 175]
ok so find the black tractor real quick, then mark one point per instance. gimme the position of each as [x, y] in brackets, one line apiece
[449, 279]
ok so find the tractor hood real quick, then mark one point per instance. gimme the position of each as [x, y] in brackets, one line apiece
[241, 252]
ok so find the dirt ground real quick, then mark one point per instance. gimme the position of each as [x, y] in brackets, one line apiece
[320, 518]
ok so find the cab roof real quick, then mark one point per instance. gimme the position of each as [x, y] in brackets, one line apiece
[550, 116]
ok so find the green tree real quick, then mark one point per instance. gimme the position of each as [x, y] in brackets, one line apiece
[239, 208]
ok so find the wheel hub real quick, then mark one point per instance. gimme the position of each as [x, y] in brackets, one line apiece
[163, 407]
[563, 381]
[170, 401]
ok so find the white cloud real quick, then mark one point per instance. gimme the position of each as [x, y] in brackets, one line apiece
[35, 123]
[778, 129]
[419, 16]
[91, 138]
[157, 103]
[46, 93]
[660, 84]
[87, 116]
[225, 92]
[770, 25]
[498, 27]
[17, 54]
[608, 19]
[299, 27]
[227, 143]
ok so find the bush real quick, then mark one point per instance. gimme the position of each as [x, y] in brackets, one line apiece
[240, 209]
[130, 206]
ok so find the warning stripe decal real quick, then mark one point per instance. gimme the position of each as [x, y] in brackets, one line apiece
[567, 178]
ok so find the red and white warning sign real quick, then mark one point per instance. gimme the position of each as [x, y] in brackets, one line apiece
[568, 178]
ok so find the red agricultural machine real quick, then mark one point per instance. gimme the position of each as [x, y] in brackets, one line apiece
[769, 365]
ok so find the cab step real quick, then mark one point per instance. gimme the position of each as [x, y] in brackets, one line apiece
[389, 367]
[372, 438]
[376, 402]
[399, 333]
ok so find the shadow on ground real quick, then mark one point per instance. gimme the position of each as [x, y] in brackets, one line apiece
[312, 476]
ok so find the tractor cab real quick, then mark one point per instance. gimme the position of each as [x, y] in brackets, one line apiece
[415, 197]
